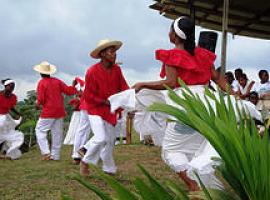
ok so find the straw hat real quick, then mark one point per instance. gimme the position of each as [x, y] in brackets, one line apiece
[45, 68]
[103, 44]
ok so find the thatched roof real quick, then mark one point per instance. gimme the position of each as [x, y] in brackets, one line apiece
[246, 17]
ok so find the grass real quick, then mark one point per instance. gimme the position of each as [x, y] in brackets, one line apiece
[31, 178]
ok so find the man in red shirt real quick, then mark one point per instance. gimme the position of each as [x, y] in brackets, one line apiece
[50, 96]
[101, 81]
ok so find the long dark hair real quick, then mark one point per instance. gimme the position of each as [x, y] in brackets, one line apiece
[187, 26]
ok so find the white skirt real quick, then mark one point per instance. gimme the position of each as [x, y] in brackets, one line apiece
[150, 123]
[11, 138]
[73, 127]
[185, 149]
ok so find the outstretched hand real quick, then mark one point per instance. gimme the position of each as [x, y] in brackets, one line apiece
[137, 87]
[74, 82]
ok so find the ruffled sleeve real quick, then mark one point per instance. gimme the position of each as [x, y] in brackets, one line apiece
[174, 57]
[200, 62]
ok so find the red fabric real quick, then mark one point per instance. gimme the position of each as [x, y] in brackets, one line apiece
[50, 95]
[7, 103]
[99, 85]
[75, 103]
[83, 105]
[80, 81]
[193, 70]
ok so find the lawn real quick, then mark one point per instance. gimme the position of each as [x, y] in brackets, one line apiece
[31, 178]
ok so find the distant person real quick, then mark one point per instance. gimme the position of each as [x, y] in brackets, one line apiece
[263, 89]
[11, 138]
[237, 74]
[253, 97]
[50, 98]
[102, 80]
[245, 86]
[231, 81]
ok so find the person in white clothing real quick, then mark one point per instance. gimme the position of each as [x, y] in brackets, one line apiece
[245, 87]
[102, 80]
[11, 138]
[50, 92]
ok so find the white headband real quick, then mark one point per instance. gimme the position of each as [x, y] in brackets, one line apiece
[177, 30]
[8, 82]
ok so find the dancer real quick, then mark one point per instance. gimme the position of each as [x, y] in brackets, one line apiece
[11, 138]
[101, 81]
[82, 134]
[74, 121]
[195, 66]
[50, 92]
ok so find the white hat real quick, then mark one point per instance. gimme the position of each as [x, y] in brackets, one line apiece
[103, 44]
[45, 68]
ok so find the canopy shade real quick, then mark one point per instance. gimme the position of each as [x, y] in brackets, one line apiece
[246, 17]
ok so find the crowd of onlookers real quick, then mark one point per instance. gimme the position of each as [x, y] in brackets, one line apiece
[256, 92]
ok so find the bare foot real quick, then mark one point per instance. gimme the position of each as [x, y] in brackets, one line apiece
[46, 157]
[192, 185]
[84, 169]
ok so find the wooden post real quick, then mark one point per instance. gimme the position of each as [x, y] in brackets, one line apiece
[129, 123]
[224, 36]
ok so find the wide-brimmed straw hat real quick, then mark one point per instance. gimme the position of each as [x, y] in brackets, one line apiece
[103, 44]
[45, 68]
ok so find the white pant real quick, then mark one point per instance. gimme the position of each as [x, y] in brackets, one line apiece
[101, 144]
[82, 134]
[121, 127]
[56, 127]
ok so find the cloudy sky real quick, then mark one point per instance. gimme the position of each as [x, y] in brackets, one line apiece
[63, 32]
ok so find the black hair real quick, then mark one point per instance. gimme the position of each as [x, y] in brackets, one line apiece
[253, 93]
[45, 75]
[244, 76]
[188, 27]
[262, 71]
[238, 70]
[4, 80]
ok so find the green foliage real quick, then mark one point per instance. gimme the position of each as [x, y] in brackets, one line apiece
[151, 189]
[244, 153]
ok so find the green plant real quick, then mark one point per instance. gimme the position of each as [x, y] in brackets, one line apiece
[149, 190]
[244, 153]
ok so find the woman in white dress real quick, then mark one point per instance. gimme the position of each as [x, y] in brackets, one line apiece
[11, 138]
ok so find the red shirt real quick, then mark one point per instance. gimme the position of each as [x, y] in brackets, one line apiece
[7, 103]
[192, 69]
[50, 95]
[99, 85]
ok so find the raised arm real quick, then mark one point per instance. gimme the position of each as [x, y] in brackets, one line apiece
[68, 90]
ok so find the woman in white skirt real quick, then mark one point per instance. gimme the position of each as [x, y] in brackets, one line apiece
[11, 138]
[195, 66]
[74, 121]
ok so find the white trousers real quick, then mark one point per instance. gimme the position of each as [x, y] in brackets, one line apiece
[121, 127]
[82, 133]
[101, 145]
[56, 128]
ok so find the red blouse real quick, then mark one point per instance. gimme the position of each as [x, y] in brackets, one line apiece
[99, 85]
[193, 70]
[50, 95]
[7, 103]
